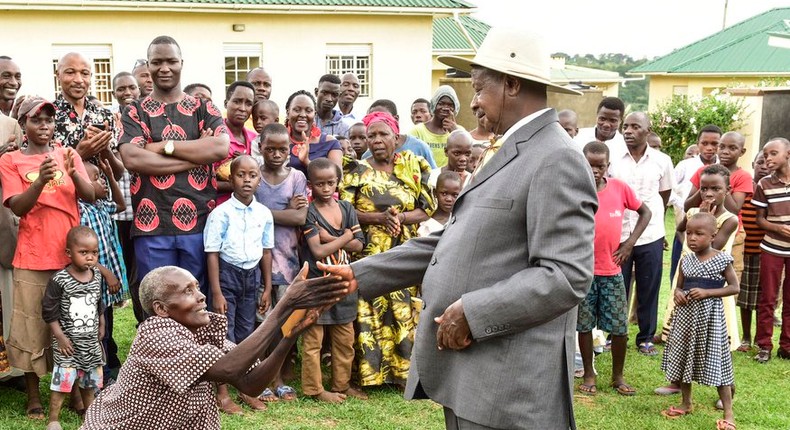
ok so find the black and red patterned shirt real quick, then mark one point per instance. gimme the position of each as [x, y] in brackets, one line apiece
[179, 203]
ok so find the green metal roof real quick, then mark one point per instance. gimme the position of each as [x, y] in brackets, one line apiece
[448, 36]
[448, 4]
[567, 73]
[740, 49]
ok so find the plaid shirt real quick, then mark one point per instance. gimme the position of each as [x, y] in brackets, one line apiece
[123, 184]
[97, 217]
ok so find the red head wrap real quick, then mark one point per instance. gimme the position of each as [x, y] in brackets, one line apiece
[384, 117]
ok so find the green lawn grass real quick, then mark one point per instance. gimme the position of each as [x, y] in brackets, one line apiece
[762, 400]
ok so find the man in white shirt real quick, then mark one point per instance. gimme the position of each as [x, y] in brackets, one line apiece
[649, 173]
[708, 145]
[609, 116]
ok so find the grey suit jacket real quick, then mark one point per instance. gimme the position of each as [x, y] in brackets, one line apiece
[518, 250]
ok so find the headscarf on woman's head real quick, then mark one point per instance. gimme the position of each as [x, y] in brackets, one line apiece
[384, 117]
[442, 91]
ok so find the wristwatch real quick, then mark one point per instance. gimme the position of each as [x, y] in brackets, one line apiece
[170, 147]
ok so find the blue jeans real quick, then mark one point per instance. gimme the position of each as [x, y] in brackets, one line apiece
[239, 287]
[184, 251]
[647, 262]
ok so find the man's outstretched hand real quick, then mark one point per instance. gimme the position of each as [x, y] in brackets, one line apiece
[453, 332]
[343, 271]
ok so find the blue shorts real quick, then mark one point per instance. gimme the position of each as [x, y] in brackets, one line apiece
[605, 307]
[63, 378]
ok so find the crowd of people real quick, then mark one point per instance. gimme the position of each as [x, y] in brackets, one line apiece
[232, 243]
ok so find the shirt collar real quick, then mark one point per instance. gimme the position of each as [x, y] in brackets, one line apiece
[238, 204]
[522, 122]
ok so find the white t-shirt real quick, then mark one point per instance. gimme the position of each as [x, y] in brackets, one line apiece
[587, 135]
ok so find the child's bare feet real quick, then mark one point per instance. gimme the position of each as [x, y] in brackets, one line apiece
[54, 425]
[330, 397]
[253, 402]
[356, 393]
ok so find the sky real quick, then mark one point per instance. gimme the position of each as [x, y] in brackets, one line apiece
[639, 28]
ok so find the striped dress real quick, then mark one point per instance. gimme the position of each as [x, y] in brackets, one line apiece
[98, 216]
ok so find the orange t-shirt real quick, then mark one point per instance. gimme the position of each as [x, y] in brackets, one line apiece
[42, 231]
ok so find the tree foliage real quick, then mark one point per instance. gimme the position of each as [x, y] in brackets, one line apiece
[633, 93]
[678, 119]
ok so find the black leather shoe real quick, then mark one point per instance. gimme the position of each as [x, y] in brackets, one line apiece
[784, 355]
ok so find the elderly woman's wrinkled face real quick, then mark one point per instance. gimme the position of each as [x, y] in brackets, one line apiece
[184, 302]
[381, 141]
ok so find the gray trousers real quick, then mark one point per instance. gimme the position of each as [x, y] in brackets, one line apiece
[452, 422]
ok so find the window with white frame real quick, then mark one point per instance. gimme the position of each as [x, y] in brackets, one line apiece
[240, 58]
[101, 58]
[342, 59]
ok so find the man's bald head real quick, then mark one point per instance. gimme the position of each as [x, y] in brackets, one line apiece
[72, 58]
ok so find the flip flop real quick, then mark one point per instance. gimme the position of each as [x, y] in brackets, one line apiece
[35, 413]
[588, 390]
[673, 413]
[284, 392]
[268, 396]
[648, 349]
[725, 425]
[624, 389]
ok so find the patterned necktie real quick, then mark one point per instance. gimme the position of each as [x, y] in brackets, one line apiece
[488, 153]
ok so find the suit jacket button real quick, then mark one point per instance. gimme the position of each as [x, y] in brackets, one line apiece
[433, 261]
[488, 330]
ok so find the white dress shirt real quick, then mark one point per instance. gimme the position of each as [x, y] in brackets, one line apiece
[647, 177]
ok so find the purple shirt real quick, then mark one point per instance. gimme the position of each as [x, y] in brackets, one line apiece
[285, 255]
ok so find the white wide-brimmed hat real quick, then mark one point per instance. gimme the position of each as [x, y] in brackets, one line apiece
[513, 52]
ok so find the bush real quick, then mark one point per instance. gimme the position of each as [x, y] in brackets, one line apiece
[679, 119]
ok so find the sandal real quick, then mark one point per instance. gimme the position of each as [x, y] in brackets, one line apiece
[588, 390]
[647, 348]
[746, 346]
[763, 356]
[674, 412]
[623, 389]
[268, 396]
[725, 425]
[284, 392]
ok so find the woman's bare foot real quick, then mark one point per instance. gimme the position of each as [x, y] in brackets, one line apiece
[356, 393]
[330, 397]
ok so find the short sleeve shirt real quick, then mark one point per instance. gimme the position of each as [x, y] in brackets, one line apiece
[285, 254]
[318, 149]
[344, 311]
[653, 173]
[53, 215]
[773, 195]
[159, 386]
[70, 127]
[239, 233]
[613, 201]
[178, 203]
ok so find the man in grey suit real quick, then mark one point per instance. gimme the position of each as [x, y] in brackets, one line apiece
[502, 281]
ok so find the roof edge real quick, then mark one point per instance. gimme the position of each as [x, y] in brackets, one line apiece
[172, 6]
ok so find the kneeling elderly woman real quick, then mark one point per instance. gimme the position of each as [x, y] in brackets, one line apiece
[166, 382]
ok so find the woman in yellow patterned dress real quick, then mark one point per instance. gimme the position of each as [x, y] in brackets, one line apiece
[390, 193]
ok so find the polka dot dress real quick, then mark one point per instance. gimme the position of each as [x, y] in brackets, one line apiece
[159, 386]
[698, 348]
